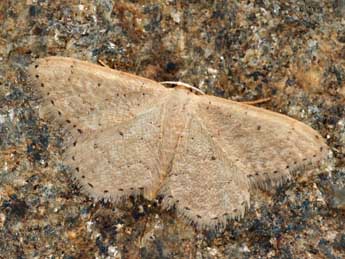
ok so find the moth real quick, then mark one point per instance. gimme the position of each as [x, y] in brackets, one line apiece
[129, 135]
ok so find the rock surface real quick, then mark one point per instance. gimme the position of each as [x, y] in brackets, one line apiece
[291, 52]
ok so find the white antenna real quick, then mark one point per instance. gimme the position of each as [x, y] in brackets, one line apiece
[183, 84]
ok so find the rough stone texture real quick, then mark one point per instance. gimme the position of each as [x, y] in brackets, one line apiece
[292, 52]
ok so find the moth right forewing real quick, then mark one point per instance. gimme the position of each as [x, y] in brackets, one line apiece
[272, 146]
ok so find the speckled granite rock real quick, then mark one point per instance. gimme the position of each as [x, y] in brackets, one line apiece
[292, 52]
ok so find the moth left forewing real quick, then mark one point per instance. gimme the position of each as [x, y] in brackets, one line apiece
[80, 96]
